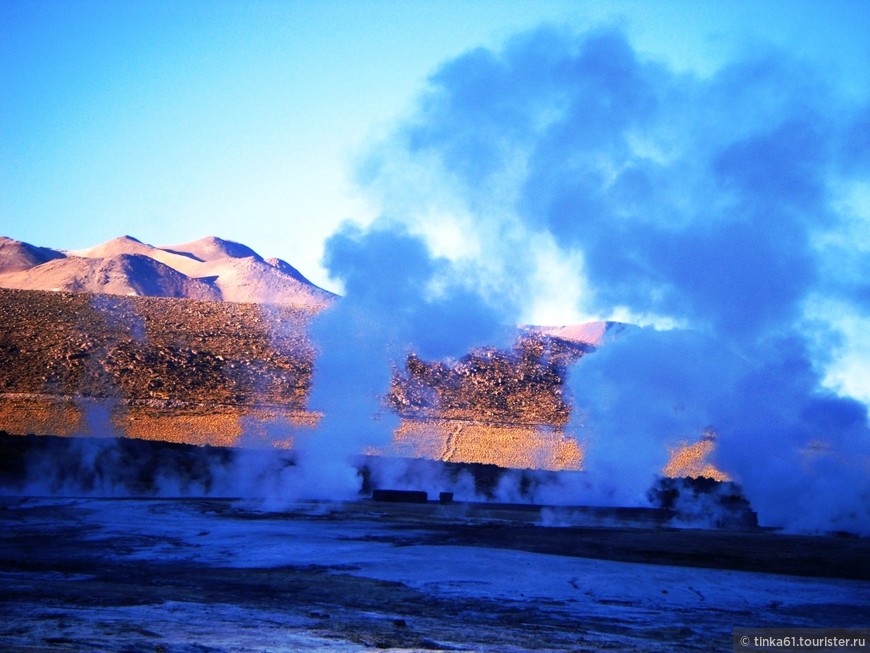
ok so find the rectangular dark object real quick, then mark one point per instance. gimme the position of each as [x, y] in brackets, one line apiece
[400, 496]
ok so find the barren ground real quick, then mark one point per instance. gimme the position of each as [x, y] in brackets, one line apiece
[216, 575]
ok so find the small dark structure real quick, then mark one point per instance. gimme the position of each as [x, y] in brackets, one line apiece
[445, 497]
[701, 500]
[400, 496]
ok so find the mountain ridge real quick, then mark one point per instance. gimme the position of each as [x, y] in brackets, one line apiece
[208, 269]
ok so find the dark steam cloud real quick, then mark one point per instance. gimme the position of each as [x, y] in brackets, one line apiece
[733, 205]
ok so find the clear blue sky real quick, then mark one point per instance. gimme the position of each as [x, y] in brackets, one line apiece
[169, 121]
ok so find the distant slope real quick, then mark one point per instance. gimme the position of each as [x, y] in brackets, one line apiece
[288, 269]
[210, 269]
[16, 255]
[589, 333]
[254, 280]
[123, 274]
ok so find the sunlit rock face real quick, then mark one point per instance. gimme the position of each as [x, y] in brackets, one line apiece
[503, 407]
[692, 460]
[522, 386]
[510, 407]
[465, 441]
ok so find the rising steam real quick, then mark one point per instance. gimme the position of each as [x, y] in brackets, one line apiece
[397, 295]
[568, 168]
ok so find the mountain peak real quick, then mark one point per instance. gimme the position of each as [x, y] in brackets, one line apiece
[212, 248]
[17, 255]
[114, 247]
[286, 268]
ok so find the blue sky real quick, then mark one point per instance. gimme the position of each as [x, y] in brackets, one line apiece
[169, 121]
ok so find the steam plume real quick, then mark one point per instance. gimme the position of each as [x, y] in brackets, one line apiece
[398, 296]
[730, 205]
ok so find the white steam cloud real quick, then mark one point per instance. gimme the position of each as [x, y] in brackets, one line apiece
[398, 296]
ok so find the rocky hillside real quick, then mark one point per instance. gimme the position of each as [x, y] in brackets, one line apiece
[520, 386]
[209, 372]
[223, 373]
[153, 349]
[144, 349]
